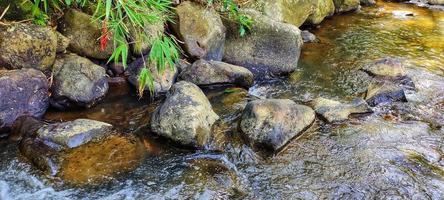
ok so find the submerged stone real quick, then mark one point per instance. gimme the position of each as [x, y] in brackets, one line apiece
[78, 82]
[214, 72]
[272, 47]
[185, 117]
[384, 92]
[22, 93]
[335, 111]
[201, 30]
[387, 67]
[272, 123]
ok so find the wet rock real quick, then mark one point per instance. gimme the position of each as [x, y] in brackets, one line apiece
[73, 133]
[27, 46]
[204, 72]
[62, 43]
[379, 92]
[308, 37]
[429, 87]
[201, 30]
[77, 82]
[162, 80]
[23, 126]
[436, 2]
[323, 9]
[368, 2]
[346, 5]
[22, 93]
[271, 48]
[185, 117]
[84, 33]
[386, 68]
[335, 111]
[272, 123]
[228, 101]
[117, 68]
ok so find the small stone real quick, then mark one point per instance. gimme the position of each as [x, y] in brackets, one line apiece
[308, 37]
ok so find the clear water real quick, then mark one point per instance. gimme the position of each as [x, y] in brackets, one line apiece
[396, 153]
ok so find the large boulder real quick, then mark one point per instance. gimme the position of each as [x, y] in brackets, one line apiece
[346, 5]
[215, 72]
[294, 12]
[335, 111]
[22, 93]
[77, 82]
[27, 46]
[84, 33]
[272, 123]
[185, 117]
[162, 80]
[271, 48]
[141, 41]
[201, 29]
[436, 2]
[77, 151]
[322, 9]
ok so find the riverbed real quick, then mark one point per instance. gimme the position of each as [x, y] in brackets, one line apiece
[395, 153]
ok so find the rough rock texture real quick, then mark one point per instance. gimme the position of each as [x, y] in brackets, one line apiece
[27, 46]
[141, 45]
[185, 117]
[84, 34]
[22, 93]
[214, 72]
[201, 30]
[387, 68]
[346, 5]
[162, 81]
[73, 133]
[294, 12]
[384, 92]
[436, 2]
[62, 43]
[368, 2]
[323, 9]
[18, 10]
[308, 37]
[77, 82]
[335, 111]
[272, 123]
[271, 48]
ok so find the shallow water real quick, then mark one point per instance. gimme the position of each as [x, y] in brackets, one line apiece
[395, 153]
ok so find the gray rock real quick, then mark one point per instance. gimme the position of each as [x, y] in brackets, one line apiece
[272, 123]
[335, 111]
[201, 29]
[84, 33]
[271, 48]
[384, 92]
[185, 117]
[162, 80]
[77, 82]
[386, 68]
[214, 72]
[308, 37]
[27, 46]
[436, 2]
[73, 133]
[346, 5]
[22, 93]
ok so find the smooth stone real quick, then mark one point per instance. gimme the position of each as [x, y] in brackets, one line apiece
[272, 123]
[78, 82]
[308, 37]
[335, 111]
[185, 117]
[204, 72]
[73, 133]
[272, 47]
[201, 30]
[23, 92]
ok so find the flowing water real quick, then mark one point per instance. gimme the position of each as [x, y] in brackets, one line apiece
[395, 153]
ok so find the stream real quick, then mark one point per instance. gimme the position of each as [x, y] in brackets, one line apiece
[395, 153]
